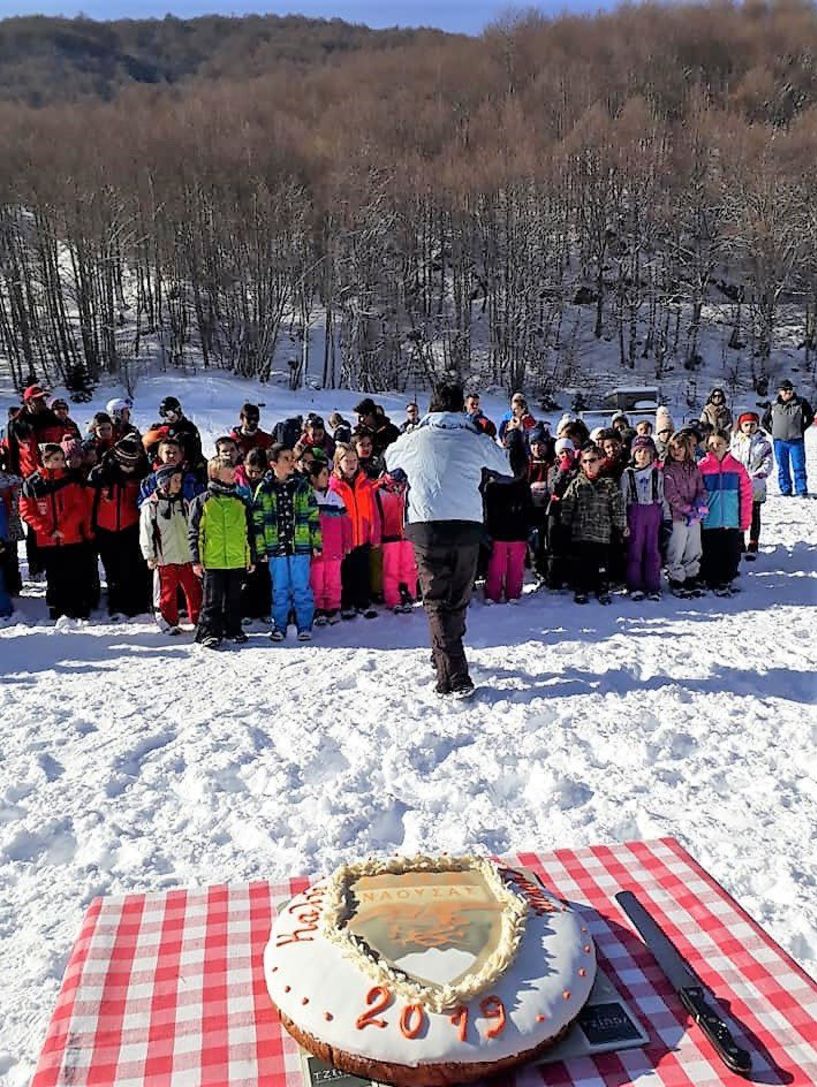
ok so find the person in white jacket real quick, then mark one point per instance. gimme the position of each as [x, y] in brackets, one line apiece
[752, 448]
[163, 538]
[444, 459]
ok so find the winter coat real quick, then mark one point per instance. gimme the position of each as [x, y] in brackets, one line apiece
[185, 431]
[444, 459]
[391, 505]
[336, 526]
[508, 509]
[384, 434]
[373, 466]
[788, 421]
[326, 445]
[191, 487]
[26, 433]
[287, 432]
[593, 509]
[754, 452]
[115, 497]
[717, 415]
[220, 529]
[285, 515]
[359, 499]
[483, 424]
[538, 475]
[729, 493]
[684, 488]
[258, 439]
[163, 530]
[526, 422]
[10, 501]
[644, 487]
[57, 500]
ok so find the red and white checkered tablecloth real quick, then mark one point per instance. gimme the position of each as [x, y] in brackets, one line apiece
[167, 990]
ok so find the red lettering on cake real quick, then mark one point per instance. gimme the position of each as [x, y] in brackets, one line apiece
[379, 998]
[412, 1020]
[493, 1008]
[296, 937]
[532, 892]
[460, 1020]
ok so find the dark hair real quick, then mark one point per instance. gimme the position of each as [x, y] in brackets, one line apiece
[250, 409]
[362, 432]
[169, 441]
[101, 417]
[225, 438]
[257, 458]
[447, 396]
[276, 450]
[517, 452]
[590, 447]
[317, 466]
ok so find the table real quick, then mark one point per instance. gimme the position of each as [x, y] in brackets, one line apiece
[167, 989]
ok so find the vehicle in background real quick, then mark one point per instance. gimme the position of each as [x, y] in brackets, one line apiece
[637, 402]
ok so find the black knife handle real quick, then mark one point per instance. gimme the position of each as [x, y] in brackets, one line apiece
[735, 1058]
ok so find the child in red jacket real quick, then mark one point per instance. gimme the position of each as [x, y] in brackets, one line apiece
[399, 567]
[336, 534]
[115, 485]
[55, 504]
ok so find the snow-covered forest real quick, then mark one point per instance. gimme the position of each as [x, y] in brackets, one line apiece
[478, 205]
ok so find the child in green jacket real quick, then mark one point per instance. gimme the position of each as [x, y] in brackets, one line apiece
[287, 535]
[222, 545]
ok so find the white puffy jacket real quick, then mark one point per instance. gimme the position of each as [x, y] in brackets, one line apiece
[755, 454]
[444, 458]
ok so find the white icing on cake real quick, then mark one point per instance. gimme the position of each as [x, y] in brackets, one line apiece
[322, 984]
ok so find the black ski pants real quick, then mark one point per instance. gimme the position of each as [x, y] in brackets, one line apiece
[447, 580]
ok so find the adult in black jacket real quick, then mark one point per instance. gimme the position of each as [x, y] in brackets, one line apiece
[372, 417]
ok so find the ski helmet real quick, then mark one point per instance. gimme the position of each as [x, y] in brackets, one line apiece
[115, 407]
[170, 403]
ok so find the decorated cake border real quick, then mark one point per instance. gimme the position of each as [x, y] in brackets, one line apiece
[336, 912]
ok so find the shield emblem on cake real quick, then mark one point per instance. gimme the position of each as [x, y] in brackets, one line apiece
[439, 930]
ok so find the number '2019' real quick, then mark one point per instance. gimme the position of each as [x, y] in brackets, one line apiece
[414, 1018]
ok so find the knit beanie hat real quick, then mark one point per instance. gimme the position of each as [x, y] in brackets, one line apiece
[663, 419]
[128, 450]
[164, 475]
[564, 445]
[539, 433]
[643, 441]
[71, 446]
[748, 417]
[566, 420]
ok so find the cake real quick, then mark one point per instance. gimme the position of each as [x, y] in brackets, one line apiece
[428, 970]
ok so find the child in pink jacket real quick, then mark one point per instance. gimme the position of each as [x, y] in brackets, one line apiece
[729, 513]
[336, 534]
[399, 567]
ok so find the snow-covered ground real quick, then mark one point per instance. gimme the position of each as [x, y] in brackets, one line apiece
[127, 762]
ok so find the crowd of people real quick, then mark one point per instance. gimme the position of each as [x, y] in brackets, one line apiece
[306, 524]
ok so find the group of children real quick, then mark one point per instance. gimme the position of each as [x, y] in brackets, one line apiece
[614, 507]
[306, 531]
[304, 527]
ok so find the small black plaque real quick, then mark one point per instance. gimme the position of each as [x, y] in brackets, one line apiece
[321, 1073]
[604, 1024]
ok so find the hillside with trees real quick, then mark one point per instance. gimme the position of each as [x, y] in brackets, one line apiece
[44, 60]
[475, 205]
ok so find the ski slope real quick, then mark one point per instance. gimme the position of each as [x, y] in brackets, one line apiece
[132, 761]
